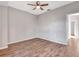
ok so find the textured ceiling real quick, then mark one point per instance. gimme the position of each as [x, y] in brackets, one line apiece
[22, 5]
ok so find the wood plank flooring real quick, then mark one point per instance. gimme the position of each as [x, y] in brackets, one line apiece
[35, 48]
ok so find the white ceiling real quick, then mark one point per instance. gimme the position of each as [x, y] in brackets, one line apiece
[22, 5]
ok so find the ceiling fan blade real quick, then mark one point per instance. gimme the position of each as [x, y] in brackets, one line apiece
[44, 5]
[41, 8]
[31, 4]
[34, 8]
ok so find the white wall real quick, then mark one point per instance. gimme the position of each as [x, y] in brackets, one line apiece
[3, 27]
[53, 24]
[3, 24]
[15, 26]
[22, 25]
[77, 18]
[3, 3]
[0, 28]
[52, 27]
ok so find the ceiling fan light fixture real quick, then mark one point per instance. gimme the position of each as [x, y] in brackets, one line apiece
[38, 7]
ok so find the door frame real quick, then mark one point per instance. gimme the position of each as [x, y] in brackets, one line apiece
[69, 25]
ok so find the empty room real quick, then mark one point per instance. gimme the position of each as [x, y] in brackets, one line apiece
[39, 28]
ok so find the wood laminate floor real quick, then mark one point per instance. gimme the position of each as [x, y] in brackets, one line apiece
[35, 48]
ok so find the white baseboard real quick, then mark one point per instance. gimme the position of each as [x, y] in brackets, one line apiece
[3, 47]
[21, 40]
[40, 38]
[53, 41]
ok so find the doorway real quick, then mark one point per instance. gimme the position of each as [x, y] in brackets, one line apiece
[72, 26]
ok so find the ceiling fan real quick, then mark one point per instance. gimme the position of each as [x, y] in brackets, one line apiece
[38, 5]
